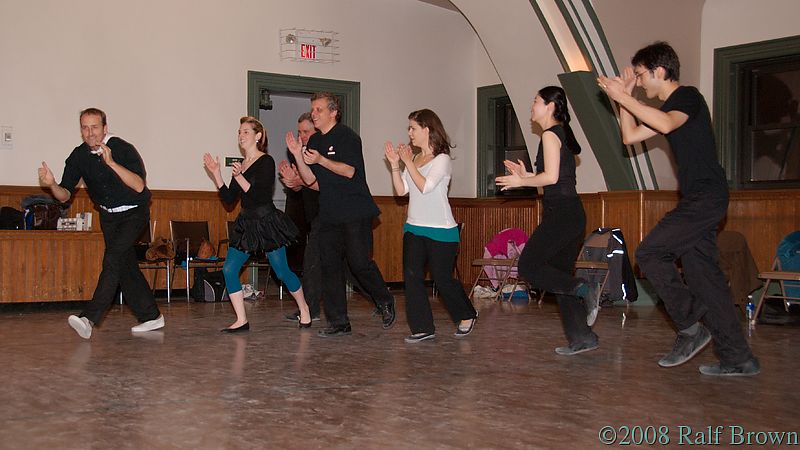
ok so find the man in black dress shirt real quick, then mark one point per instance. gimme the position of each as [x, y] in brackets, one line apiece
[114, 175]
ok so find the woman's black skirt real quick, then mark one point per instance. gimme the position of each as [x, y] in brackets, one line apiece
[262, 230]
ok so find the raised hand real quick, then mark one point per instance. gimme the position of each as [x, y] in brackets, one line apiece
[46, 177]
[391, 154]
[508, 181]
[517, 168]
[628, 79]
[294, 145]
[615, 87]
[105, 154]
[406, 154]
[211, 163]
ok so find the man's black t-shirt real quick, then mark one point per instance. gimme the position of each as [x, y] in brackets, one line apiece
[342, 199]
[693, 143]
[104, 185]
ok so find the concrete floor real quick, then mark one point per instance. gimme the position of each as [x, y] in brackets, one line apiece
[191, 387]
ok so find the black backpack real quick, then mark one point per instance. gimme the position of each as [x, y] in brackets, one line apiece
[11, 219]
[208, 286]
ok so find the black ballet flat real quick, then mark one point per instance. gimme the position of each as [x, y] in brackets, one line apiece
[239, 329]
[303, 325]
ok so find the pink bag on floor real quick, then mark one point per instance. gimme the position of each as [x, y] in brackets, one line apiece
[505, 244]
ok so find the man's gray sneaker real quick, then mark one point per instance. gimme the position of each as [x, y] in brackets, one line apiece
[749, 368]
[686, 347]
[577, 349]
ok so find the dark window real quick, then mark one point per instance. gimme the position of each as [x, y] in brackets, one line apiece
[510, 145]
[769, 153]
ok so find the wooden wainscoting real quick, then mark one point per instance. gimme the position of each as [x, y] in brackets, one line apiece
[763, 217]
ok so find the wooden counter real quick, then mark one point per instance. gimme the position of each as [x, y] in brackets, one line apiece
[49, 266]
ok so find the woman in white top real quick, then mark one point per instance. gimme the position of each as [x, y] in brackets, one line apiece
[430, 233]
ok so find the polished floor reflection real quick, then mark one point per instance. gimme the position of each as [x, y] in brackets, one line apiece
[190, 386]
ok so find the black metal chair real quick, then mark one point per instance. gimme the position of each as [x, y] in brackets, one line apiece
[187, 237]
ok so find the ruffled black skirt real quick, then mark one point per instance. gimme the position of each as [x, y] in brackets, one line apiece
[262, 230]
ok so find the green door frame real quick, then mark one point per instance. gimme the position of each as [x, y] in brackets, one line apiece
[727, 95]
[349, 92]
[487, 112]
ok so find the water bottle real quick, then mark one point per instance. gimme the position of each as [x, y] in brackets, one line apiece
[750, 309]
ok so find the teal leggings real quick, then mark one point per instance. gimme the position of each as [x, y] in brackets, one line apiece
[235, 259]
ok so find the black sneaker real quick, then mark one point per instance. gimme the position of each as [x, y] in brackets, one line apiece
[341, 330]
[749, 368]
[419, 337]
[686, 347]
[462, 332]
[388, 315]
[577, 349]
[295, 317]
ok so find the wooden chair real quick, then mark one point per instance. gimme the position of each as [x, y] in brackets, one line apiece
[187, 237]
[782, 277]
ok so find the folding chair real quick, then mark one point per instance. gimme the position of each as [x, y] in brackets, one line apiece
[788, 280]
[592, 262]
[187, 237]
[145, 240]
[501, 271]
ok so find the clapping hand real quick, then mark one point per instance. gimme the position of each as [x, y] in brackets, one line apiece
[406, 154]
[516, 171]
[294, 145]
[391, 154]
[236, 168]
[211, 163]
[311, 156]
[289, 176]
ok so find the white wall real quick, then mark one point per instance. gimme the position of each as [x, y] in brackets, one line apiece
[734, 22]
[526, 62]
[172, 76]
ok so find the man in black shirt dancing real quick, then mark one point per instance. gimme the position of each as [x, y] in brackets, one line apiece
[688, 232]
[114, 175]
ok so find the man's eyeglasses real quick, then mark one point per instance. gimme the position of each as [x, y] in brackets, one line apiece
[639, 74]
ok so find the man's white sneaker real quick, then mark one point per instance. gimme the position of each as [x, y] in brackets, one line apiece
[81, 325]
[150, 325]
